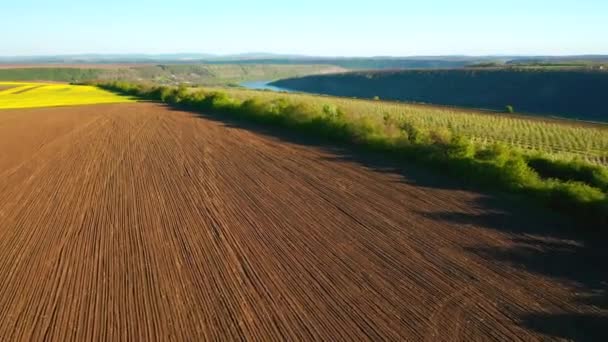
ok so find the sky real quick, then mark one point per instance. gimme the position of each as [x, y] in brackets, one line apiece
[311, 27]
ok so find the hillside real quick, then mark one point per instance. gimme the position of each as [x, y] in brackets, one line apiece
[378, 62]
[577, 94]
[202, 74]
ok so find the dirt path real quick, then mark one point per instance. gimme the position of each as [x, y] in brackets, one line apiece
[5, 87]
[135, 222]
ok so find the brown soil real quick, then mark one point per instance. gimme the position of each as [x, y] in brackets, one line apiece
[137, 222]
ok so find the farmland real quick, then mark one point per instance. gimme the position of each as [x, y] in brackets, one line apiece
[137, 221]
[31, 95]
[168, 74]
[576, 93]
[577, 187]
[562, 139]
[416, 171]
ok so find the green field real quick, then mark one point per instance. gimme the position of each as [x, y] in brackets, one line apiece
[555, 92]
[54, 74]
[170, 74]
[561, 139]
[32, 95]
[202, 74]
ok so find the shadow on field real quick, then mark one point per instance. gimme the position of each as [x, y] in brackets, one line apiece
[579, 262]
[544, 242]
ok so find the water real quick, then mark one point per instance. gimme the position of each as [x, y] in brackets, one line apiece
[263, 85]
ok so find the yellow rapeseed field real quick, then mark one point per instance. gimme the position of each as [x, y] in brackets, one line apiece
[32, 95]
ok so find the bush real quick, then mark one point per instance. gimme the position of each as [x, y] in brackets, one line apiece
[509, 109]
[414, 134]
[574, 170]
[253, 106]
[440, 136]
[496, 153]
[365, 129]
[518, 175]
[332, 113]
[460, 147]
[588, 203]
[297, 114]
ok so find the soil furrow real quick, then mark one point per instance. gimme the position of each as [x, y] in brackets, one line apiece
[139, 222]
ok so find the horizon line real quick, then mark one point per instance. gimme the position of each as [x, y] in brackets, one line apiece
[270, 55]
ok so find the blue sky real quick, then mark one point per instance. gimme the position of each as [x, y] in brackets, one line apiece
[313, 27]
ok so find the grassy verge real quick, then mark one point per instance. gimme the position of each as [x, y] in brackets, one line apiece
[554, 138]
[576, 188]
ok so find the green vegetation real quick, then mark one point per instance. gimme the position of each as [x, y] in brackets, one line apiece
[362, 63]
[559, 139]
[576, 170]
[573, 65]
[487, 65]
[50, 74]
[576, 94]
[225, 74]
[167, 74]
[577, 188]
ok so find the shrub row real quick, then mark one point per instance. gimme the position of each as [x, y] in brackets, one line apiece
[573, 187]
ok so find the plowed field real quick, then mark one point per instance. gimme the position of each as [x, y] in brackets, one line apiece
[141, 223]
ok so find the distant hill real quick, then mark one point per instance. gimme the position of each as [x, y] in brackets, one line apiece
[577, 94]
[380, 62]
[165, 74]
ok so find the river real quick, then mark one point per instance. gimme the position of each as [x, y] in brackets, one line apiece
[263, 85]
